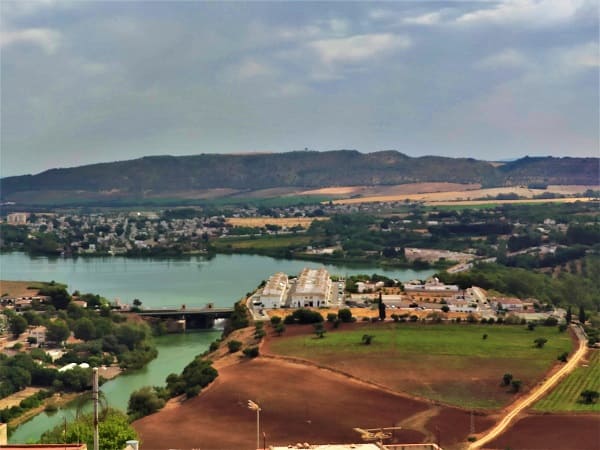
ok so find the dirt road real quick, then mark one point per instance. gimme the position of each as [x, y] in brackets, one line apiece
[536, 394]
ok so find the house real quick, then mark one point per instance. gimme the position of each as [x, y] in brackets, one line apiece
[39, 334]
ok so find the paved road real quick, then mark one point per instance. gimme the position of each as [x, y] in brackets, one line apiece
[536, 394]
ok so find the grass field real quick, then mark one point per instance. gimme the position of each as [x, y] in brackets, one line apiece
[566, 396]
[262, 242]
[449, 363]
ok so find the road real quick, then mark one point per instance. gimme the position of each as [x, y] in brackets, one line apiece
[536, 394]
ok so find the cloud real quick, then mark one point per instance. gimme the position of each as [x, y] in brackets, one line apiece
[358, 48]
[508, 58]
[47, 39]
[529, 12]
[432, 18]
[250, 68]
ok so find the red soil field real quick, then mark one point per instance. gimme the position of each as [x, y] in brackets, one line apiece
[551, 432]
[300, 404]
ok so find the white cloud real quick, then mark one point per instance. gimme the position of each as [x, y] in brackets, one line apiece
[48, 40]
[582, 56]
[425, 19]
[358, 48]
[508, 58]
[250, 68]
[530, 12]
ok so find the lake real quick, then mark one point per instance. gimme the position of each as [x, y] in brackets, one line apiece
[193, 281]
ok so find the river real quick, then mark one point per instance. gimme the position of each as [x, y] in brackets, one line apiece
[221, 280]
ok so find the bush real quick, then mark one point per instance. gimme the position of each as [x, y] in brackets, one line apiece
[275, 320]
[332, 317]
[305, 316]
[143, 402]
[214, 346]
[234, 346]
[345, 315]
[251, 352]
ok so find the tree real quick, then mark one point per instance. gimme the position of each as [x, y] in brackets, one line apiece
[137, 302]
[582, 314]
[275, 320]
[367, 339]
[563, 357]
[84, 329]
[345, 315]
[381, 307]
[18, 325]
[234, 346]
[540, 342]
[279, 329]
[569, 315]
[57, 331]
[516, 385]
[506, 379]
[114, 430]
[331, 317]
[143, 402]
[320, 330]
[445, 308]
[589, 396]
[484, 337]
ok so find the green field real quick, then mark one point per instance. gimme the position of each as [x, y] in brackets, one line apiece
[449, 363]
[261, 242]
[566, 396]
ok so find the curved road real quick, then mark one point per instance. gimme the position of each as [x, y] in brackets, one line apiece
[535, 394]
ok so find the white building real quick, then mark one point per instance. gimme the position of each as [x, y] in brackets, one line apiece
[39, 334]
[312, 289]
[274, 292]
[17, 218]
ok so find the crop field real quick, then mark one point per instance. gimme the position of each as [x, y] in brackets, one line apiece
[261, 242]
[566, 396]
[288, 222]
[453, 364]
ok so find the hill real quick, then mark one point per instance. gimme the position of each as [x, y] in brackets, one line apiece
[189, 177]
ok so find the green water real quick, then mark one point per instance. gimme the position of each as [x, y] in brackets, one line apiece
[174, 353]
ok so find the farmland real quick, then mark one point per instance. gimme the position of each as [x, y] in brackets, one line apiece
[288, 222]
[452, 364]
[261, 242]
[566, 396]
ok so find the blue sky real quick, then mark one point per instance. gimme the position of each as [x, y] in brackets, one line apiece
[86, 82]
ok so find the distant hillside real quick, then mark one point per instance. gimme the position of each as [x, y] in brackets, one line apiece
[187, 176]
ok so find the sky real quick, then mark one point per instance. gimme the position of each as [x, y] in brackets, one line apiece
[85, 82]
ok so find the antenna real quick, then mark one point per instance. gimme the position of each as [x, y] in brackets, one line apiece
[95, 399]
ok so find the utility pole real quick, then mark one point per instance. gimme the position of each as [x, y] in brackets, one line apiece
[254, 407]
[95, 399]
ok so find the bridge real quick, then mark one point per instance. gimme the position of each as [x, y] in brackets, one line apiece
[180, 319]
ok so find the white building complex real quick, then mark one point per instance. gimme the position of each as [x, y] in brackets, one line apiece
[274, 293]
[312, 289]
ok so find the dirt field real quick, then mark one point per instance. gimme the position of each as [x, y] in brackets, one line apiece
[300, 404]
[552, 432]
[451, 193]
[15, 399]
[17, 288]
[304, 222]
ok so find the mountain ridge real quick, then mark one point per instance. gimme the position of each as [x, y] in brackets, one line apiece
[164, 174]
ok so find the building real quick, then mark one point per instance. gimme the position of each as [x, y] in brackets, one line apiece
[39, 334]
[274, 292]
[312, 289]
[432, 286]
[17, 218]
[508, 304]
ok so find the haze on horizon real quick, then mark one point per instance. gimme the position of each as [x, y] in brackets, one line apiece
[87, 82]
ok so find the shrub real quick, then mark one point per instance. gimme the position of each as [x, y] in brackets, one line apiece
[332, 317]
[345, 315]
[214, 346]
[275, 320]
[395, 317]
[304, 316]
[251, 352]
[234, 346]
[367, 339]
[563, 357]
